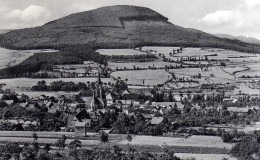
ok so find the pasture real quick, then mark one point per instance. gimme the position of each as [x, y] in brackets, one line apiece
[118, 52]
[143, 77]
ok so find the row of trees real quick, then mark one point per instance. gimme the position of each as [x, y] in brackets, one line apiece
[74, 151]
[59, 86]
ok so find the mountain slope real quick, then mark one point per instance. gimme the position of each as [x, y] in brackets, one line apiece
[116, 27]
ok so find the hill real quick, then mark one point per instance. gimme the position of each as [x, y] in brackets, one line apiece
[116, 27]
[240, 38]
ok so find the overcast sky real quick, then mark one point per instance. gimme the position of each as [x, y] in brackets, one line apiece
[235, 17]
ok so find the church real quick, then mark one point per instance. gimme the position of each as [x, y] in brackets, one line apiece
[98, 101]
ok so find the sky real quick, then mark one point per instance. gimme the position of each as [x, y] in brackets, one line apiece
[235, 17]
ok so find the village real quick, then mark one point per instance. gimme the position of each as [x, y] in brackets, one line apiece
[144, 96]
[93, 103]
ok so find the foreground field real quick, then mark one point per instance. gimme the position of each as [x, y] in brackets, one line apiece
[193, 141]
[194, 144]
[205, 156]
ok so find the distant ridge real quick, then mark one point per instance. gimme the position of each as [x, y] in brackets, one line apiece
[240, 38]
[2, 31]
[116, 27]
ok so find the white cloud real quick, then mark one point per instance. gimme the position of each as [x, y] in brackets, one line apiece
[218, 17]
[252, 3]
[30, 13]
[241, 19]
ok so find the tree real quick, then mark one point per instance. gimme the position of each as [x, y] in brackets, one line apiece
[75, 144]
[129, 138]
[10, 149]
[35, 137]
[223, 64]
[42, 155]
[61, 142]
[103, 136]
[170, 98]
[3, 104]
[47, 147]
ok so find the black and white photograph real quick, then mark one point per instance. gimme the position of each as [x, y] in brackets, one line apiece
[129, 79]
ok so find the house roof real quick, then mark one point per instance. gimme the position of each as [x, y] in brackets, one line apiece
[80, 124]
[157, 120]
[125, 92]
[238, 110]
[148, 116]
[82, 115]
[110, 96]
[9, 101]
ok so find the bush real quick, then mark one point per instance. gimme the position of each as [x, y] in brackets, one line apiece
[103, 136]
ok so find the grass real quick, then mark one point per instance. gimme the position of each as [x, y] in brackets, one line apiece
[110, 52]
[205, 156]
[130, 65]
[219, 76]
[193, 141]
[150, 77]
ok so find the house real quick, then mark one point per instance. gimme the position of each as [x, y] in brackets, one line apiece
[157, 120]
[110, 98]
[80, 129]
[23, 104]
[80, 123]
[148, 116]
[125, 92]
[118, 105]
[179, 105]
[9, 102]
[227, 99]
[136, 104]
[238, 110]
[81, 72]
[54, 108]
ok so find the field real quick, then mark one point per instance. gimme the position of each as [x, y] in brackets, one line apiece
[117, 52]
[213, 75]
[254, 70]
[10, 58]
[147, 77]
[246, 89]
[234, 69]
[130, 65]
[193, 141]
[205, 156]
[25, 83]
[194, 146]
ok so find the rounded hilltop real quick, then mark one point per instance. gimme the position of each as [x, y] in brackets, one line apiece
[111, 16]
[116, 27]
